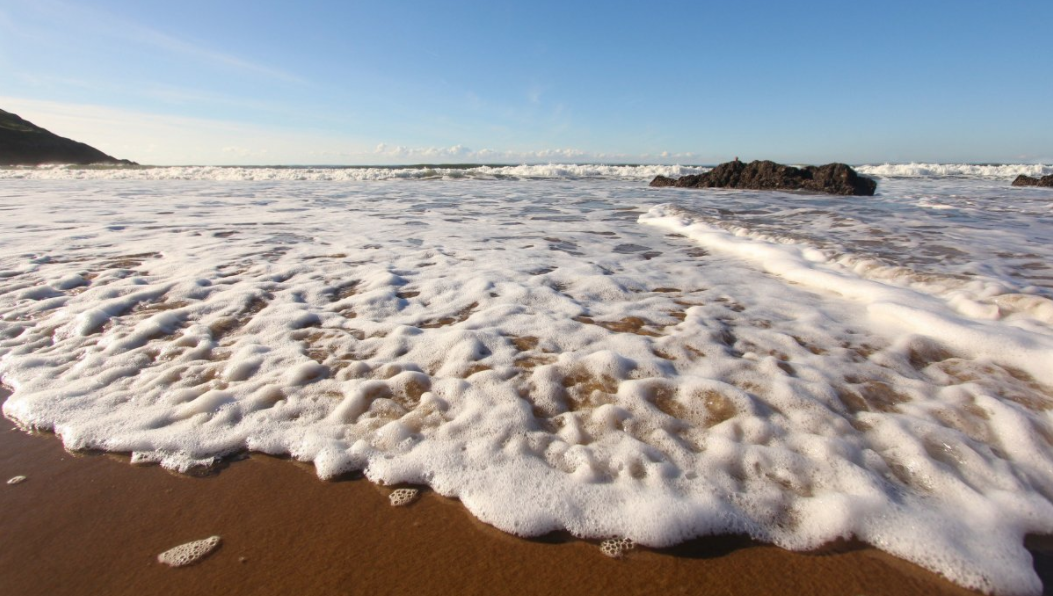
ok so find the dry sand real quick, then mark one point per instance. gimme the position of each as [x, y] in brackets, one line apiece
[85, 524]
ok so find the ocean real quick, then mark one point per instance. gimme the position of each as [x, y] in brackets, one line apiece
[562, 347]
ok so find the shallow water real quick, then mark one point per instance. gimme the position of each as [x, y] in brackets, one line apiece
[581, 353]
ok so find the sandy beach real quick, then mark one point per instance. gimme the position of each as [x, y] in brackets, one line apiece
[526, 298]
[94, 524]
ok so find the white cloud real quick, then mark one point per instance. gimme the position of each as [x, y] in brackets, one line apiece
[403, 154]
[245, 152]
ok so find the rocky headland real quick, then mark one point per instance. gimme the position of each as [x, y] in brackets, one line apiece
[1023, 180]
[833, 178]
[23, 143]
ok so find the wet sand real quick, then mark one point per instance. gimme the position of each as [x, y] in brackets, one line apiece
[94, 524]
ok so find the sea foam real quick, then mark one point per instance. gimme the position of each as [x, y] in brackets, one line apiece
[593, 356]
[555, 171]
[918, 170]
[348, 174]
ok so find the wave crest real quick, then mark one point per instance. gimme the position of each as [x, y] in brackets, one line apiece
[933, 170]
[348, 174]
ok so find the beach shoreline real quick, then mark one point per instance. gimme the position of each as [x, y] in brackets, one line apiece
[87, 524]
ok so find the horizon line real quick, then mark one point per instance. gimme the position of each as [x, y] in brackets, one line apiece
[468, 165]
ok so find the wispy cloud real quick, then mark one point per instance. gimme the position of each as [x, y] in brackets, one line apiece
[119, 27]
[5, 22]
[175, 95]
[534, 94]
[195, 51]
[168, 94]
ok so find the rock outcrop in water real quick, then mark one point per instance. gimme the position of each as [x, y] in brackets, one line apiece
[1023, 180]
[833, 178]
[23, 143]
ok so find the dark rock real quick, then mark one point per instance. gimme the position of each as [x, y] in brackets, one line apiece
[23, 143]
[833, 178]
[1023, 180]
[667, 181]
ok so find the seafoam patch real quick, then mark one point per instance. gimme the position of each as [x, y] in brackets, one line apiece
[486, 339]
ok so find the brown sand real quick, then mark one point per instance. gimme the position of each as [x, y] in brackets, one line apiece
[94, 524]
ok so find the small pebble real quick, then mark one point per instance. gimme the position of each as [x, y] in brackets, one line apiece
[189, 553]
[17, 480]
[403, 496]
[615, 547]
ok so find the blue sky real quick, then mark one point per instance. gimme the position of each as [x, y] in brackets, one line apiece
[269, 82]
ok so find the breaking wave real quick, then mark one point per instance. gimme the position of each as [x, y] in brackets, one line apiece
[932, 170]
[348, 174]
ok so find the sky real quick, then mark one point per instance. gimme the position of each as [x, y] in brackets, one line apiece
[389, 82]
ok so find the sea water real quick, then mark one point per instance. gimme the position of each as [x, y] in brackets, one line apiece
[563, 347]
